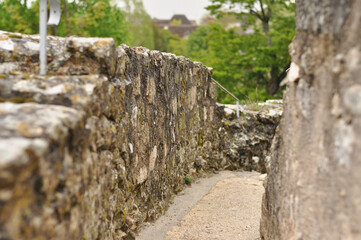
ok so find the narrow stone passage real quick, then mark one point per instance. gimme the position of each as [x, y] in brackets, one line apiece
[224, 206]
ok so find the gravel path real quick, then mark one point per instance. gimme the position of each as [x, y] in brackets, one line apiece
[225, 206]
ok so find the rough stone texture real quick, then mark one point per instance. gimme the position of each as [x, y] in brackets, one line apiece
[101, 144]
[69, 56]
[313, 189]
[248, 138]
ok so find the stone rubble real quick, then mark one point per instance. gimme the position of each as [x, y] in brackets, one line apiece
[248, 139]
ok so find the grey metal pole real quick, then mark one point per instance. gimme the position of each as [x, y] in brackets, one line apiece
[239, 105]
[237, 109]
[43, 31]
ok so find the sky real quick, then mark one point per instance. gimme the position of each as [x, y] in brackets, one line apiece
[165, 9]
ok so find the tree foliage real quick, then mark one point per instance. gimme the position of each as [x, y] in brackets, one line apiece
[233, 58]
[16, 17]
[140, 24]
[275, 19]
[250, 65]
[164, 40]
[87, 18]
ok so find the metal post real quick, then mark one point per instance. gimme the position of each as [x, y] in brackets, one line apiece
[239, 105]
[54, 19]
[237, 109]
[42, 26]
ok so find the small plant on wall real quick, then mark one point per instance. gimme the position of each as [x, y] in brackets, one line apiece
[188, 180]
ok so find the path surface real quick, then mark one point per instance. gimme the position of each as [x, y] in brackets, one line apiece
[224, 206]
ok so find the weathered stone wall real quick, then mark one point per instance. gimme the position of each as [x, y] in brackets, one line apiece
[247, 139]
[313, 189]
[101, 145]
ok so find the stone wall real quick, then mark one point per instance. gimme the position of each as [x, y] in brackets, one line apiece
[102, 143]
[247, 139]
[313, 189]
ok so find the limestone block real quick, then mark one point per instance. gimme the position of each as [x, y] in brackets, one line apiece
[66, 56]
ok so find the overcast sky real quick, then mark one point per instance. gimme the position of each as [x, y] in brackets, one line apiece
[165, 9]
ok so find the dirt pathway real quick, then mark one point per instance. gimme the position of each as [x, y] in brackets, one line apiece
[225, 206]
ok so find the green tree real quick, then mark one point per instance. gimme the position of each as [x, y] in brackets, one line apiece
[224, 51]
[163, 39]
[243, 63]
[176, 22]
[140, 24]
[177, 45]
[267, 14]
[86, 18]
[16, 17]
[93, 18]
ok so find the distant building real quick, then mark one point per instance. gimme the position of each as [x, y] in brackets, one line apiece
[230, 22]
[179, 25]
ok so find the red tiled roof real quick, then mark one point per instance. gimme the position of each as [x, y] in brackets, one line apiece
[183, 30]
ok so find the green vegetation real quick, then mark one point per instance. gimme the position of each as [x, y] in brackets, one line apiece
[257, 62]
[176, 22]
[188, 180]
[86, 18]
[140, 24]
[249, 65]
[163, 40]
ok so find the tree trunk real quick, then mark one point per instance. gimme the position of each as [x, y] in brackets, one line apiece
[276, 78]
[273, 82]
[265, 27]
[66, 13]
[53, 30]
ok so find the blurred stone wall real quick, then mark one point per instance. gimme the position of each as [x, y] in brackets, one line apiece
[247, 139]
[313, 189]
[101, 144]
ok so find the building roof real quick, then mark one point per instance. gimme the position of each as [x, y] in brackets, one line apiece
[182, 30]
[181, 17]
